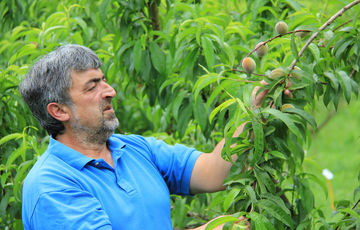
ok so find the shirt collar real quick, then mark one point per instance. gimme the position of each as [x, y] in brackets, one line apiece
[75, 158]
[115, 145]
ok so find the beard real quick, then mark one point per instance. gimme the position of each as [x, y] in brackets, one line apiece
[98, 133]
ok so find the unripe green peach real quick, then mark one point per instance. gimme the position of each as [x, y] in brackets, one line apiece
[248, 65]
[295, 74]
[261, 49]
[286, 106]
[281, 28]
[276, 73]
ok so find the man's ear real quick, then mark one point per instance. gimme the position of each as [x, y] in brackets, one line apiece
[58, 111]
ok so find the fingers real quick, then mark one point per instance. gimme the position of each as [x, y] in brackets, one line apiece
[257, 98]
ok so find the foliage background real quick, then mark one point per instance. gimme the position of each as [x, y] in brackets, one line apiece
[165, 58]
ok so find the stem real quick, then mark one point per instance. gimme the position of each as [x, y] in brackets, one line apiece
[328, 118]
[336, 28]
[353, 72]
[331, 20]
[241, 71]
[277, 36]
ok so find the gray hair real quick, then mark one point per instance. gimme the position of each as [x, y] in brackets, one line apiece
[49, 80]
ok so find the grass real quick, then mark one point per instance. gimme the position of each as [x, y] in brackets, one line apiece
[336, 147]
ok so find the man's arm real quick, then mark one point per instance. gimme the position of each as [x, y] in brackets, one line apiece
[210, 169]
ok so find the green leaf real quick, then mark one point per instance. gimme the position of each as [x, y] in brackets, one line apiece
[298, 86]
[345, 84]
[264, 180]
[230, 197]
[103, 11]
[307, 196]
[24, 50]
[320, 182]
[350, 212]
[229, 53]
[342, 48]
[220, 220]
[4, 203]
[250, 191]
[209, 52]
[184, 120]
[355, 87]
[276, 211]
[260, 221]
[10, 137]
[180, 211]
[200, 113]
[221, 107]
[315, 51]
[20, 176]
[302, 114]
[277, 200]
[241, 178]
[204, 81]
[177, 103]
[286, 119]
[157, 57]
[333, 80]
[216, 92]
[15, 154]
[171, 80]
[258, 139]
[294, 50]
[137, 56]
[146, 67]
[294, 4]
[278, 154]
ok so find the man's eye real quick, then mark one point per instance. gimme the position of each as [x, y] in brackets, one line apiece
[92, 88]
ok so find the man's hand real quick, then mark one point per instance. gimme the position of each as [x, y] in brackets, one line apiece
[257, 98]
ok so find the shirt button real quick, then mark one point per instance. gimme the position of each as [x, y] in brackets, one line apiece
[97, 164]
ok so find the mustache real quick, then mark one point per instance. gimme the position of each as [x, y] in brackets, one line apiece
[106, 104]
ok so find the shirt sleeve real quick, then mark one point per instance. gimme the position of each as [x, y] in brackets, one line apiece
[175, 163]
[69, 209]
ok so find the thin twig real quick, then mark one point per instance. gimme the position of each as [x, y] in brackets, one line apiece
[331, 20]
[336, 28]
[327, 119]
[357, 202]
[277, 36]
[353, 72]
[242, 71]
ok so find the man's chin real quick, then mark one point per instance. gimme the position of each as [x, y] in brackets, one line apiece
[112, 124]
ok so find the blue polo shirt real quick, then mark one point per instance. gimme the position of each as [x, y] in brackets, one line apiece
[67, 190]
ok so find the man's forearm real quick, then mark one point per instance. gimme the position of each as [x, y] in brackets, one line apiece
[214, 167]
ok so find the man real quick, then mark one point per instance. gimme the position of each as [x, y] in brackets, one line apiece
[90, 178]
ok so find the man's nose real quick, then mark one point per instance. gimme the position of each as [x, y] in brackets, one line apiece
[109, 91]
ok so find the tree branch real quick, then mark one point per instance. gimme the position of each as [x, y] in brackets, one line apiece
[154, 16]
[331, 20]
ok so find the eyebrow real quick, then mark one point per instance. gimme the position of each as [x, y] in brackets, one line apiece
[93, 80]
